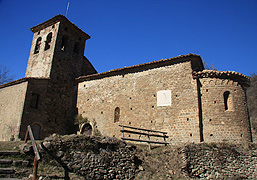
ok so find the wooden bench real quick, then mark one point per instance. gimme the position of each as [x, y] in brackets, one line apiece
[147, 132]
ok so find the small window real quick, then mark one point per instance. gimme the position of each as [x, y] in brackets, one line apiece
[34, 100]
[76, 48]
[37, 47]
[117, 114]
[228, 104]
[48, 40]
[64, 43]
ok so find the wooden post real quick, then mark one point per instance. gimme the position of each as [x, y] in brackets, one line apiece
[66, 174]
[37, 156]
[149, 144]
[164, 137]
[122, 131]
[34, 177]
[26, 135]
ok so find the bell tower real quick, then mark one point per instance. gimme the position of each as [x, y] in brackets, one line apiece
[57, 58]
[57, 50]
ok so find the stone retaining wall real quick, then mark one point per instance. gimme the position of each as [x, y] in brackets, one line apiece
[94, 157]
[110, 158]
[220, 161]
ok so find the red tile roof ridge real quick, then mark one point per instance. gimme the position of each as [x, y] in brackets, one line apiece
[235, 76]
[206, 71]
[137, 65]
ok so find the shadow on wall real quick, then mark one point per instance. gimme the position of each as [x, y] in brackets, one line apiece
[36, 129]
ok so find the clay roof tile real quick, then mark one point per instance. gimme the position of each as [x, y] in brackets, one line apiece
[244, 80]
[119, 70]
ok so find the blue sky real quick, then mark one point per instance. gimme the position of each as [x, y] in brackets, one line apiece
[129, 32]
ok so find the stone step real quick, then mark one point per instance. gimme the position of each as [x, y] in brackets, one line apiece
[15, 163]
[22, 163]
[6, 161]
[5, 153]
[7, 171]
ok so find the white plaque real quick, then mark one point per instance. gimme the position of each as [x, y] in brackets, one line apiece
[164, 98]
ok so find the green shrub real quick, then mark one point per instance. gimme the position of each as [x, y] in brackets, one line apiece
[80, 120]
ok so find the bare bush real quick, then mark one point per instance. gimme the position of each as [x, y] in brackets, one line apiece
[252, 100]
[5, 75]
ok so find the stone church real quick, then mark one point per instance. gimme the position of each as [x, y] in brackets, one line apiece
[173, 95]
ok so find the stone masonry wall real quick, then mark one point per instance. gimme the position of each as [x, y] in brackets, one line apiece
[11, 109]
[60, 108]
[93, 157]
[220, 124]
[220, 161]
[40, 64]
[135, 94]
[36, 114]
[62, 62]
[53, 110]
[67, 65]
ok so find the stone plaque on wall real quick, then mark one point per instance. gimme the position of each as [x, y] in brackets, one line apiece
[164, 98]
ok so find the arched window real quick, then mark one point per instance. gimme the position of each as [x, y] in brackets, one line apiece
[48, 40]
[36, 129]
[37, 47]
[116, 114]
[228, 104]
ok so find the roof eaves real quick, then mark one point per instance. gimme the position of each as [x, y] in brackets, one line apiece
[245, 80]
[180, 58]
[53, 20]
[18, 81]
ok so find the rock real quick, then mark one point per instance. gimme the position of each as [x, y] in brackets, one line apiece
[94, 157]
[111, 171]
[27, 149]
[47, 144]
[60, 154]
[171, 171]
[102, 171]
[141, 168]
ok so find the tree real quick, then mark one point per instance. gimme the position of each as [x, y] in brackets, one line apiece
[252, 101]
[208, 67]
[5, 75]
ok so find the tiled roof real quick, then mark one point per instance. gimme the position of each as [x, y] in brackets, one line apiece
[54, 20]
[18, 81]
[223, 74]
[180, 58]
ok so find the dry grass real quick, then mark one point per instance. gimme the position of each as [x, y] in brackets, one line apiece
[161, 162]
